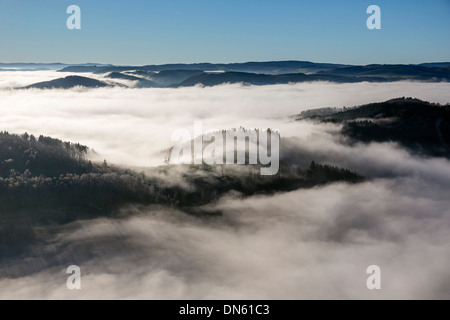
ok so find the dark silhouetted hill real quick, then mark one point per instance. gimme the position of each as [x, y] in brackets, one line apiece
[44, 175]
[69, 83]
[422, 126]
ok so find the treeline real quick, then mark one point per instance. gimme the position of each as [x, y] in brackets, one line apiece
[318, 173]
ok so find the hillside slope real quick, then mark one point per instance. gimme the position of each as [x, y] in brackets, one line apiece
[422, 126]
[69, 83]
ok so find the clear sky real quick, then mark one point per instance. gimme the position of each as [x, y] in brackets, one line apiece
[170, 31]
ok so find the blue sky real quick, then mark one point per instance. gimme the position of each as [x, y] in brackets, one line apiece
[170, 31]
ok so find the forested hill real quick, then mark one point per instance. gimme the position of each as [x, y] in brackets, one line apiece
[48, 175]
[41, 156]
[422, 126]
[69, 83]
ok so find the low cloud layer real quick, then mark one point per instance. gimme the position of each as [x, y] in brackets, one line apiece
[306, 244]
[132, 126]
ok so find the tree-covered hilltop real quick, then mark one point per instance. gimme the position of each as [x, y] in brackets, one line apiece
[48, 179]
[422, 126]
[41, 156]
[69, 83]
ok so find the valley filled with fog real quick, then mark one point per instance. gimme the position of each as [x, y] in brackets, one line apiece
[311, 242]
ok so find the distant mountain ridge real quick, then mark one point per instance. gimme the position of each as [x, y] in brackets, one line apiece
[20, 66]
[214, 79]
[270, 67]
[394, 71]
[266, 67]
[252, 73]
